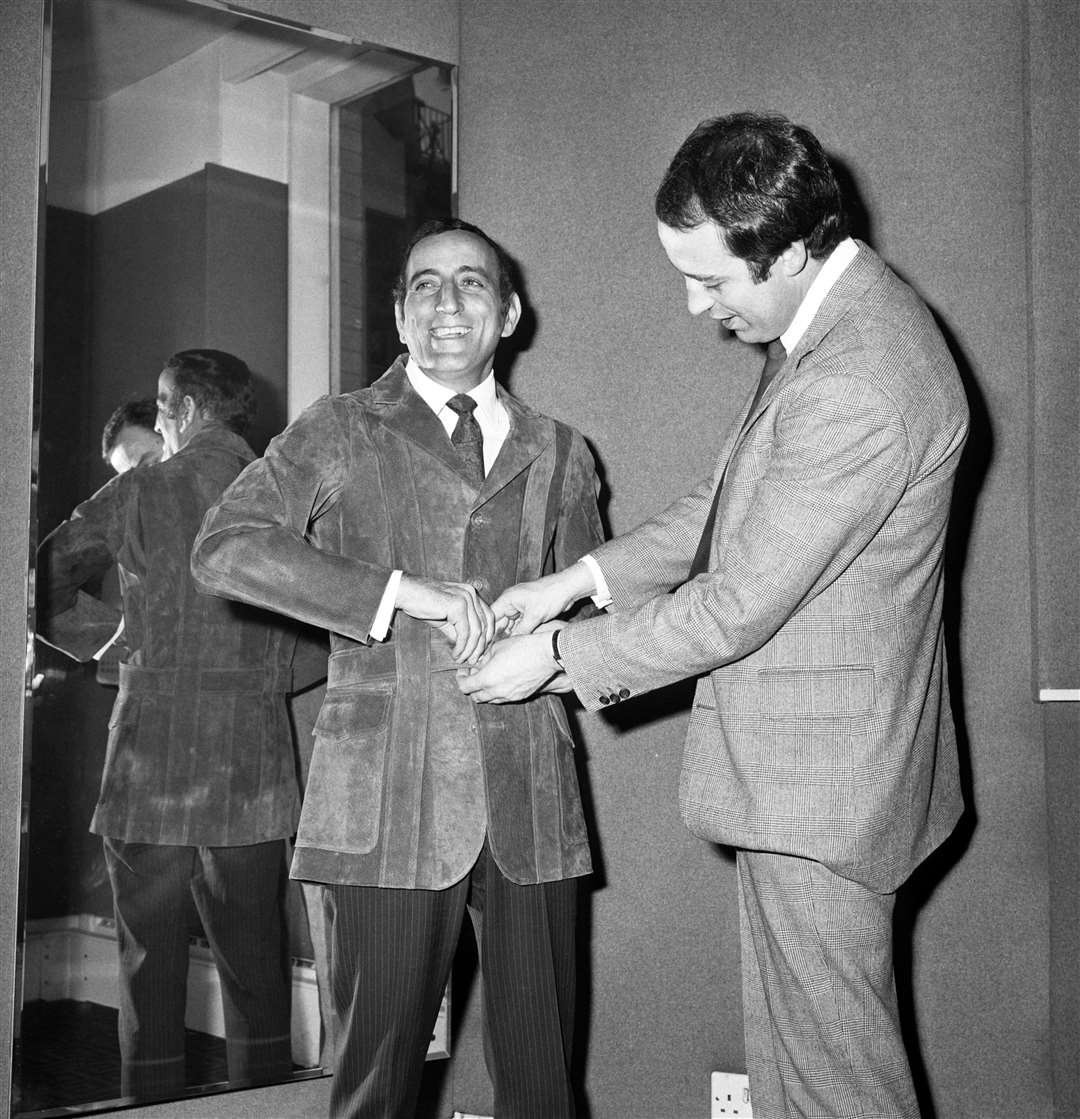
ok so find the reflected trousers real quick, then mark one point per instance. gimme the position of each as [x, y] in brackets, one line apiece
[239, 895]
[391, 953]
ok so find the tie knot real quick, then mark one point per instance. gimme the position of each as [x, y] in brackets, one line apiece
[462, 403]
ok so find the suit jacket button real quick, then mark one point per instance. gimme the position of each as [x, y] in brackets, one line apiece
[604, 700]
[624, 693]
[479, 519]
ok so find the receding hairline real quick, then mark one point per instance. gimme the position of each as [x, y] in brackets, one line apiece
[489, 250]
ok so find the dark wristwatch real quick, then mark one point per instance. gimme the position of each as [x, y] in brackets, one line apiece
[555, 647]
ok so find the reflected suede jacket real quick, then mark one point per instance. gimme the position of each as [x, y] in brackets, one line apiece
[200, 749]
[408, 776]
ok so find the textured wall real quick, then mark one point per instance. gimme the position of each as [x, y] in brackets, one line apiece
[569, 113]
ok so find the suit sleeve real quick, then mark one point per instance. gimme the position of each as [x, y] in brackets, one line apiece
[839, 465]
[75, 553]
[270, 539]
[656, 556]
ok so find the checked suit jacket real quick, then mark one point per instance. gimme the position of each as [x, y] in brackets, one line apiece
[821, 724]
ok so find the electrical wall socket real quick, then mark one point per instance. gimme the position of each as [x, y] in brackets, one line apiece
[731, 1096]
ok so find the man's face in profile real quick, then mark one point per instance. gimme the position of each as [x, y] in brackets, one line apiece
[451, 318]
[135, 446]
[720, 283]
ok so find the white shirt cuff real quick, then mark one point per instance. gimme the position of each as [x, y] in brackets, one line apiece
[602, 598]
[111, 642]
[380, 627]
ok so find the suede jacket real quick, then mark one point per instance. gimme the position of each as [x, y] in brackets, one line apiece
[408, 777]
[200, 749]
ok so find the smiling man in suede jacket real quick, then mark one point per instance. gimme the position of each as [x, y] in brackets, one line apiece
[388, 516]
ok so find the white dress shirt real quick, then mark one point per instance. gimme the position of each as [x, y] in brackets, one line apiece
[494, 426]
[831, 271]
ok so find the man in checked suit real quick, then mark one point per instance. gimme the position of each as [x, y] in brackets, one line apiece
[396, 502]
[805, 581]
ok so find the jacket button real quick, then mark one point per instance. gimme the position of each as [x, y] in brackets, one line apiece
[624, 693]
[479, 519]
[604, 700]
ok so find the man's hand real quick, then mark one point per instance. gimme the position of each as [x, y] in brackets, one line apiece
[521, 608]
[453, 608]
[515, 668]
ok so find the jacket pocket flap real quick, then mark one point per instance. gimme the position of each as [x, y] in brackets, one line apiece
[816, 691]
[346, 714]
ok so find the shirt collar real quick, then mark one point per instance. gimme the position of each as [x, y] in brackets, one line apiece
[435, 395]
[835, 264]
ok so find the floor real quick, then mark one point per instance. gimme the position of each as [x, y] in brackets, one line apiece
[67, 1054]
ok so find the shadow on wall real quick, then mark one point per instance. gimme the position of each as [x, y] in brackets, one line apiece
[916, 892]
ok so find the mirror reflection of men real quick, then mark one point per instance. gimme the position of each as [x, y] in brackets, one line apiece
[199, 789]
[414, 500]
[803, 584]
[130, 437]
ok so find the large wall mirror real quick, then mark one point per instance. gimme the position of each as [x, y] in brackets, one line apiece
[221, 180]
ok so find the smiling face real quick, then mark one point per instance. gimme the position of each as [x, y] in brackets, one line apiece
[451, 318]
[722, 284]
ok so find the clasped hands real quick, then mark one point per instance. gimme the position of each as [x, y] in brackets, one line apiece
[504, 649]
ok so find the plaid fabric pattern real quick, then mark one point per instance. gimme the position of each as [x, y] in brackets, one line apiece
[821, 725]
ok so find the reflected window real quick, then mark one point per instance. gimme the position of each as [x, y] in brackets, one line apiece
[394, 171]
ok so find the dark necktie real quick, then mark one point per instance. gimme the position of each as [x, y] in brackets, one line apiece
[774, 358]
[468, 438]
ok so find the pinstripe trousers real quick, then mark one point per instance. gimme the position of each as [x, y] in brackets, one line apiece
[819, 999]
[391, 953]
[239, 894]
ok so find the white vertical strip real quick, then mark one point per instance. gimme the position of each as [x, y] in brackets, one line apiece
[309, 252]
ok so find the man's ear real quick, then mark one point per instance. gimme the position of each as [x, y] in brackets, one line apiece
[793, 259]
[187, 413]
[513, 315]
[399, 318]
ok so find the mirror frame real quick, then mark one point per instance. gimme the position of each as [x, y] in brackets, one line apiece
[430, 31]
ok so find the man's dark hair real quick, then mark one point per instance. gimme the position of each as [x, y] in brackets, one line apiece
[218, 382]
[132, 413]
[764, 181]
[433, 227]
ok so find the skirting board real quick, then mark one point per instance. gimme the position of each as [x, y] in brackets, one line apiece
[74, 957]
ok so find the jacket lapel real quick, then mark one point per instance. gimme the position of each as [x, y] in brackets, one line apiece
[862, 273]
[529, 434]
[403, 411]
